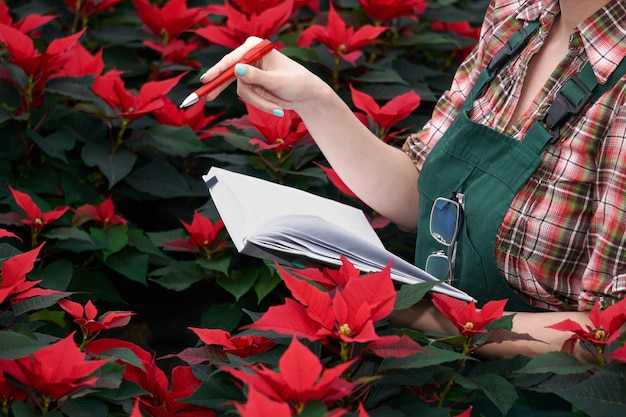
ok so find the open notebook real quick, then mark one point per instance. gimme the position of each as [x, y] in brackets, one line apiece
[277, 222]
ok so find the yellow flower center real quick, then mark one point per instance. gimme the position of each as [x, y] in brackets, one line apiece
[469, 325]
[345, 330]
[600, 335]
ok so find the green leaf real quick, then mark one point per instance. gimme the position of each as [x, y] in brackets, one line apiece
[74, 240]
[131, 264]
[216, 392]
[313, 409]
[602, 394]
[16, 345]
[125, 355]
[177, 141]
[409, 294]
[222, 316]
[115, 238]
[386, 76]
[178, 276]
[559, 363]
[239, 282]
[114, 167]
[85, 407]
[221, 265]
[159, 179]
[433, 356]
[37, 303]
[55, 144]
[55, 276]
[500, 391]
[265, 283]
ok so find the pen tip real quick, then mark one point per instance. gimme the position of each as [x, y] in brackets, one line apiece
[191, 99]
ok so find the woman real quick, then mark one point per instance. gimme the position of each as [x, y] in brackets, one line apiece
[542, 218]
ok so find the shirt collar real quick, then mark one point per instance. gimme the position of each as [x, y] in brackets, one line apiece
[603, 34]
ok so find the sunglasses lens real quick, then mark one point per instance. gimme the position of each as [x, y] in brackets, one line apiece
[438, 266]
[444, 220]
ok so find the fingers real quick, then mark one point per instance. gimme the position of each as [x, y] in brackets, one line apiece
[250, 90]
[225, 64]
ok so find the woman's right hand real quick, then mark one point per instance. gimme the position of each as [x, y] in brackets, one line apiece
[272, 84]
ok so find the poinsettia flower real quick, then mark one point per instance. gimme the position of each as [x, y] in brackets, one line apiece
[346, 314]
[242, 346]
[25, 25]
[9, 393]
[103, 214]
[194, 116]
[130, 105]
[54, 372]
[279, 133]
[300, 378]
[87, 317]
[164, 397]
[465, 316]
[172, 19]
[239, 26]
[203, 237]
[386, 10]
[342, 41]
[35, 218]
[390, 114]
[13, 280]
[605, 327]
[39, 67]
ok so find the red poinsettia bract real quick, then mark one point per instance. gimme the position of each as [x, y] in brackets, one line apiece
[391, 113]
[251, 7]
[54, 372]
[465, 316]
[203, 237]
[13, 279]
[35, 217]
[25, 25]
[38, 67]
[346, 313]
[129, 104]
[242, 346]
[195, 117]
[239, 26]
[103, 214]
[172, 19]
[342, 41]
[300, 378]
[279, 133]
[163, 396]
[605, 330]
[87, 317]
[386, 10]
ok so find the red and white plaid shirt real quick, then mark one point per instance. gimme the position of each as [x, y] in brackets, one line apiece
[562, 244]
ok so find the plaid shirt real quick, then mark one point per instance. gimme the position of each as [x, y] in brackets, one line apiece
[562, 243]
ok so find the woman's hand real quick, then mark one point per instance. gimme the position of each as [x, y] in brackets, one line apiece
[272, 84]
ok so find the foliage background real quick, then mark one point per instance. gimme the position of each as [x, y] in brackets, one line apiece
[61, 153]
[100, 179]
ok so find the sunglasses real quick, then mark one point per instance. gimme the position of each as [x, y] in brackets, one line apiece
[445, 222]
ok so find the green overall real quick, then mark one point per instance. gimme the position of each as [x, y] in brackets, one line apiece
[490, 167]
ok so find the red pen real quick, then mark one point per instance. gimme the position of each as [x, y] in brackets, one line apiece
[253, 55]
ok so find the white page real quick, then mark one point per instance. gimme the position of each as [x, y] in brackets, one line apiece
[245, 203]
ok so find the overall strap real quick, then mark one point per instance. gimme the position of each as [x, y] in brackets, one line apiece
[514, 45]
[578, 91]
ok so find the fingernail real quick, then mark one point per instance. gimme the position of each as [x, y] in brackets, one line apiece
[240, 69]
[278, 112]
[202, 75]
